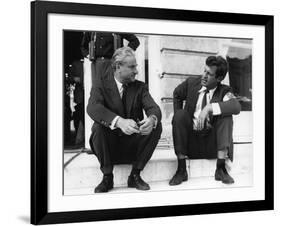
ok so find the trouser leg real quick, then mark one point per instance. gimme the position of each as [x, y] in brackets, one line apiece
[142, 146]
[102, 142]
[98, 67]
[224, 129]
[182, 127]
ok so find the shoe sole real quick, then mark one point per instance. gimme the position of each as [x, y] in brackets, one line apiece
[218, 179]
[104, 191]
[185, 179]
[225, 182]
[133, 186]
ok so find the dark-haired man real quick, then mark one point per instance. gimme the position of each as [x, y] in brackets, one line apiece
[203, 128]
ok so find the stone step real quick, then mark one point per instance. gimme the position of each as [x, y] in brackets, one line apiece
[83, 171]
[241, 180]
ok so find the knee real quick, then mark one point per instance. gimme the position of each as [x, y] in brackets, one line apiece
[180, 117]
[158, 130]
[100, 134]
[99, 130]
[224, 125]
[224, 121]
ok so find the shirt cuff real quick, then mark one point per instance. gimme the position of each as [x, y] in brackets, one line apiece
[155, 120]
[216, 109]
[113, 123]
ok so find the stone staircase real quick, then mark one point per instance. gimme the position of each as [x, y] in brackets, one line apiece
[82, 173]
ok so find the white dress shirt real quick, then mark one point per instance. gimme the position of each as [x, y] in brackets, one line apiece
[215, 106]
[120, 89]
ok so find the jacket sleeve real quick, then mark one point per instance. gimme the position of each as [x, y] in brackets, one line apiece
[96, 108]
[149, 105]
[230, 107]
[179, 95]
[132, 39]
[84, 46]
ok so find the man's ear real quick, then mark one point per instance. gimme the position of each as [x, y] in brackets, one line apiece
[118, 66]
[220, 78]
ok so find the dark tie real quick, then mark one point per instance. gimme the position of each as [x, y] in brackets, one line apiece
[204, 101]
[125, 88]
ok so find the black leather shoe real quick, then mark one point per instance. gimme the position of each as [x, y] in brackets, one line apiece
[105, 185]
[178, 178]
[222, 175]
[135, 181]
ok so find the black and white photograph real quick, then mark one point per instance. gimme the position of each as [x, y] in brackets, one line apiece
[140, 112]
[162, 136]
[148, 112]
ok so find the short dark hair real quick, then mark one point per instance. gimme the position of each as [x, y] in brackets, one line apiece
[220, 62]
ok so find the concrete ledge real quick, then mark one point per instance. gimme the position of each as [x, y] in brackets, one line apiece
[241, 180]
[84, 172]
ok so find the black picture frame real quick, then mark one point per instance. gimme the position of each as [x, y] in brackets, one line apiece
[39, 112]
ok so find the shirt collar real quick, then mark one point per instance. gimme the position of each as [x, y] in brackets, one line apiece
[211, 91]
[119, 84]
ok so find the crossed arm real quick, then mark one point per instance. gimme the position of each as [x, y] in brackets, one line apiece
[228, 106]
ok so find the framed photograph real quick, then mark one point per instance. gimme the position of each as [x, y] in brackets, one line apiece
[171, 48]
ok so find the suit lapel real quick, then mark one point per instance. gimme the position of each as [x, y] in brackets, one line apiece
[194, 94]
[215, 97]
[111, 87]
[130, 98]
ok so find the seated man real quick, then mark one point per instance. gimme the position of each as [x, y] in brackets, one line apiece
[203, 129]
[121, 134]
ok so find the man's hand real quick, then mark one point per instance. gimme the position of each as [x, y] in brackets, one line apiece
[146, 126]
[128, 126]
[204, 116]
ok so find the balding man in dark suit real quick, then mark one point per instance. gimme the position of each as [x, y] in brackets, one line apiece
[121, 134]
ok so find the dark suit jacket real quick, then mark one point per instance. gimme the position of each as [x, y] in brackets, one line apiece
[188, 91]
[204, 147]
[105, 102]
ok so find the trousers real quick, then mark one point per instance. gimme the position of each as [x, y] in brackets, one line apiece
[113, 147]
[98, 67]
[195, 146]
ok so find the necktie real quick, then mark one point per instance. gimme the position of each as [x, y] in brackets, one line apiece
[125, 87]
[204, 101]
